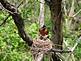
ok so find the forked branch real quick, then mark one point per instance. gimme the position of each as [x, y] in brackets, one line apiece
[13, 11]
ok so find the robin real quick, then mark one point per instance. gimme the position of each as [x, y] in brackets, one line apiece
[43, 31]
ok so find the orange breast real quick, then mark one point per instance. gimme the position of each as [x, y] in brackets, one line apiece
[46, 32]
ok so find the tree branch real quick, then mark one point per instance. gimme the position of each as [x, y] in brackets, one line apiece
[18, 20]
[59, 51]
[4, 21]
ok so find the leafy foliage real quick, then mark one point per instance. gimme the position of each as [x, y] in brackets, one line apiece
[13, 48]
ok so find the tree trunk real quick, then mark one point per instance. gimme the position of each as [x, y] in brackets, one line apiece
[56, 16]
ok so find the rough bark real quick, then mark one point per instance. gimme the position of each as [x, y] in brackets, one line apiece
[56, 16]
[18, 20]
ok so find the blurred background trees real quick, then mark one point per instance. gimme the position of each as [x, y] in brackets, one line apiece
[12, 47]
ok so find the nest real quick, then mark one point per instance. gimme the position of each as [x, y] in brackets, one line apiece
[42, 46]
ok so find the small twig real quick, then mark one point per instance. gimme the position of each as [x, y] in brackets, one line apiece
[77, 41]
[75, 45]
[60, 51]
[4, 21]
[65, 10]
[20, 4]
[72, 8]
[76, 13]
[61, 56]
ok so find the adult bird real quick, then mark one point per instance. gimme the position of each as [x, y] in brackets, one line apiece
[43, 32]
